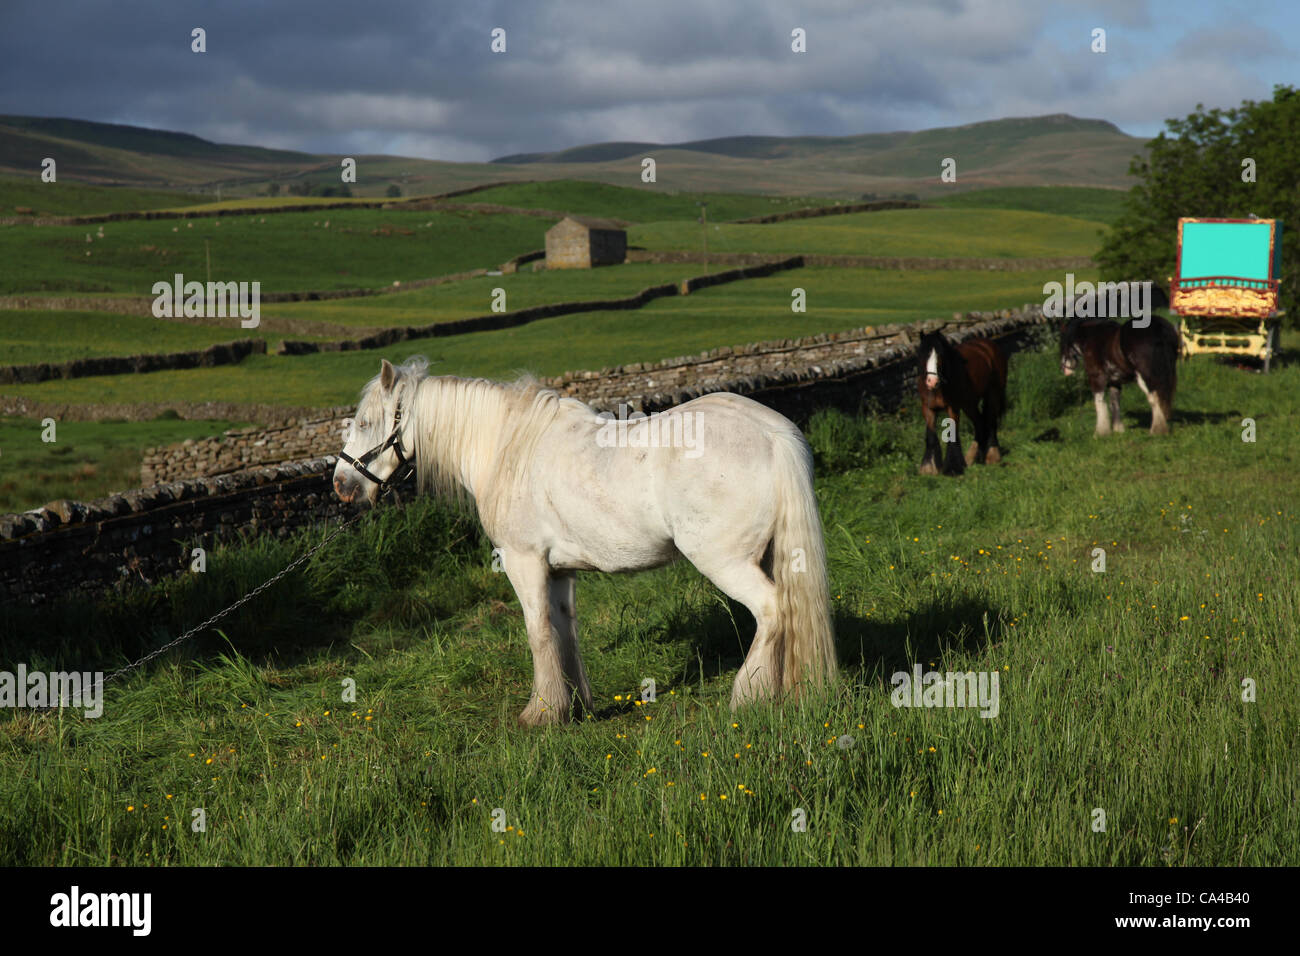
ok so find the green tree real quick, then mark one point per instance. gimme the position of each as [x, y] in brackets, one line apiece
[393, 191]
[1195, 169]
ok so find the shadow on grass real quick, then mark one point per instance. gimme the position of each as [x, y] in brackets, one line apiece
[1188, 416]
[868, 648]
[878, 647]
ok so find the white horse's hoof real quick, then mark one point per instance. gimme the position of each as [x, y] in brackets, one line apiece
[541, 715]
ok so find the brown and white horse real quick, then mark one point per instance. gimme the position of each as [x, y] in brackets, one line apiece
[970, 378]
[1114, 354]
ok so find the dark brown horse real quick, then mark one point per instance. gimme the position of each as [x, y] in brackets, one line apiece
[958, 379]
[1113, 355]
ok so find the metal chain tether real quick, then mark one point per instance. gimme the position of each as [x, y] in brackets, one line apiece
[240, 603]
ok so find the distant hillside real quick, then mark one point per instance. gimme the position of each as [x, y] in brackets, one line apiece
[142, 140]
[108, 153]
[1031, 151]
[987, 137]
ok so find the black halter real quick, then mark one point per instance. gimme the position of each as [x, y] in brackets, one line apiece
[394, 441]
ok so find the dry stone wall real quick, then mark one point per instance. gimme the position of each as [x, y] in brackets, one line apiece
[224, 353]
[815, 212]
[239, 449]
[138, 537]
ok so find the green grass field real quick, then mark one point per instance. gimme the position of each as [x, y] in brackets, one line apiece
[86, 460]
[1119, 691]
[748, 311]
[976, 232]
[80, 199]
[1080, 202]
[31, 336]
[468, 297]
[51, 335]
[361, 248]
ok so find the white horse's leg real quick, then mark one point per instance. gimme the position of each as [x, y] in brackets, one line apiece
[549, 700]
[744, 581]
[564, 622]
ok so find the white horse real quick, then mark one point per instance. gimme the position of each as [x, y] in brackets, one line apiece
[721, 480]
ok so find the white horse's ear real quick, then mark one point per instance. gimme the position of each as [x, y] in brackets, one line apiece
[387, 375]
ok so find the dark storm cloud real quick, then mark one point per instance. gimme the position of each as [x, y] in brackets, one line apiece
[417, 77]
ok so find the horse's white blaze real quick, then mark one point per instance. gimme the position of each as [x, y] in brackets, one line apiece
[932, 369]
[555, 499]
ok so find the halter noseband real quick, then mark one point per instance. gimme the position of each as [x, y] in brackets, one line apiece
[394, 441]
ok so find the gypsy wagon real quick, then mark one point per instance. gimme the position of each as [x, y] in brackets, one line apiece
[1226, 290]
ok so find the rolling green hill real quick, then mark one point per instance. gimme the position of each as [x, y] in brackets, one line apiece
[139, 139]
[1030, 151]
[1017, 151]
[129, 155]
[992, 138]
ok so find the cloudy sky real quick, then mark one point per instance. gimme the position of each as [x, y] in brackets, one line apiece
[418, 77]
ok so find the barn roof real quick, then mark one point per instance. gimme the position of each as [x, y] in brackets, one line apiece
[592, 222]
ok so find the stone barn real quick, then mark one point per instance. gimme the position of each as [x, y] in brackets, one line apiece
[580, 242]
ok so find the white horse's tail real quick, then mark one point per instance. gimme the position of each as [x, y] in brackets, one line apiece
[805, 641]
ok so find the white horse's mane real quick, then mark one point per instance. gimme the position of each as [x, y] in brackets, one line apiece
[469, 434]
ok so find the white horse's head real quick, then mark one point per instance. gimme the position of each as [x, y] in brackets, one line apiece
[377, 445]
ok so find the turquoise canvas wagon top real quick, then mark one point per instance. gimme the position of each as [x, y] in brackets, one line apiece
[1242, 249]
[1227, 267]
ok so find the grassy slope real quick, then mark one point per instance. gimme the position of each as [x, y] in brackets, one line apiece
[636, 205]
[286, 252]
[88, 460]
[1079, 202]
[994, 233]
[78, 199]
[724, 315]
[1119, 691]
[99, 152]
[30, 336]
